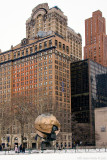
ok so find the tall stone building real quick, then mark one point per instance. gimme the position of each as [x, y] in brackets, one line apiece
[53, 19]
[45, 19]
[40, 64]
[96, 38]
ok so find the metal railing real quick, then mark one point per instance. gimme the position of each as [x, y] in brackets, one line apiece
[65, 150]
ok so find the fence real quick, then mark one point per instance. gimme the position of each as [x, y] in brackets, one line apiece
[76, 150]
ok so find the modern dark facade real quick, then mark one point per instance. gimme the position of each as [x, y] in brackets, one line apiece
[88, 91]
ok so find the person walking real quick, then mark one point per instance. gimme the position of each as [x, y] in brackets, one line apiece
[0, 147]
[21, 148]
[16, 149]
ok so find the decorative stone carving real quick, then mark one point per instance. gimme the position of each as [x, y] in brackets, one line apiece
[24, 41]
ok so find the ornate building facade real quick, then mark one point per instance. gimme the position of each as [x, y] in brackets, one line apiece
[41, 66]
[53, 19]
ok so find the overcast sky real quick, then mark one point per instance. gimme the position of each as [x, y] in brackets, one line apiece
[14, 13]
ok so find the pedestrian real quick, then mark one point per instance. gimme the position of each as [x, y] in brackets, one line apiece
[16, 149]
[9, 147]
[0, 147]
[21, 148]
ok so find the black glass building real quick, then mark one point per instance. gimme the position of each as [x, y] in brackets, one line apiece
[88, 91]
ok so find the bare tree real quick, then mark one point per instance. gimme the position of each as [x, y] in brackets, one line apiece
[81, 133]
[5, 119]
[24, 112]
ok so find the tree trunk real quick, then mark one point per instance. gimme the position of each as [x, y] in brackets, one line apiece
[22, 134]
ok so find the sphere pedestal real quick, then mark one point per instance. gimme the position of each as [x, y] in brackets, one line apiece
[47, 145]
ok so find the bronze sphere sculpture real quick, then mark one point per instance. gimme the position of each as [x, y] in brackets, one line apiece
[47, 126]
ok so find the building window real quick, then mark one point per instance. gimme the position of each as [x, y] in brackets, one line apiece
[18, 54]
[67, 49]
[45, 44]
[36, 48]
[40, 46]
[14, 55]
[50, 66]
[103, 129]
[31, 50]
[50, 43]
[63, 47]
[1, 58]
[22, 52]
[59, 44]
[56, 43]
[8, 56]
[50, 56]
[4, 57]
[27, 51]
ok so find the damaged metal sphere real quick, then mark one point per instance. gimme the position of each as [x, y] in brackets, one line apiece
[47, 126]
